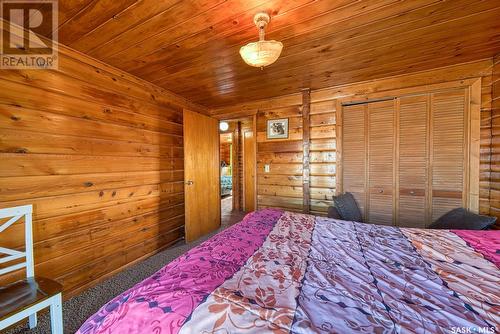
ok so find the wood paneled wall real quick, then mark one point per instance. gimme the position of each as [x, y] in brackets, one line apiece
[99, 153]
[225, 153]
[495, 139]
[282, 187]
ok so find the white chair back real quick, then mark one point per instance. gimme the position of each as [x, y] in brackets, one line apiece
[15, 214]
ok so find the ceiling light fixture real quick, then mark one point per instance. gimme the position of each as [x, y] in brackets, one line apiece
[223, 126]
[261, 53]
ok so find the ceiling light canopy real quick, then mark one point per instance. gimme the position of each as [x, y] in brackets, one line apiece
[261, 53]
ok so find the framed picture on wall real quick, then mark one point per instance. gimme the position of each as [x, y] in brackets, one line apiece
[277, 128]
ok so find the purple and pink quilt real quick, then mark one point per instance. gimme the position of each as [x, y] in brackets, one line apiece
[282, 272]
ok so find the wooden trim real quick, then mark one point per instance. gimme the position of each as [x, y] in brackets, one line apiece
[238, 114]
[395, 163]
[219, 197]
[466, 146]
[410, 82]
[306, 144]
[243, 186]
[245, 176]
[367, 160]
[474, 145]
[251, 108]
[236, 167]
[430, 154]
[338, 154]
[424, 89]
[256, 191]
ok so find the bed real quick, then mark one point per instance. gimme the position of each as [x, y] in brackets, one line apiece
[283, 272]
[226, 185]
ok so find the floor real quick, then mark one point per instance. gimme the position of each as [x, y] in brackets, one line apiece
[77, 309]
[228, 216]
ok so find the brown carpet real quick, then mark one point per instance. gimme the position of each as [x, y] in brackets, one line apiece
[77, 309]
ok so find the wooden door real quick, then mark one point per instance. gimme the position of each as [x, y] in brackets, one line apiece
[201, 174]
[410, 160]
[249, 167]
[413, 161]
[354, 151]
[448, 152]
[381, 139]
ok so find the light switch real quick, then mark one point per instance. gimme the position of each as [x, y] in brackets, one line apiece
[267, 168]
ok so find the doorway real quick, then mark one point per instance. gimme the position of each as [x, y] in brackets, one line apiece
[237, 168]
[226, 168]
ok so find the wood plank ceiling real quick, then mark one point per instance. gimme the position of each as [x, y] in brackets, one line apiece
[191, 47]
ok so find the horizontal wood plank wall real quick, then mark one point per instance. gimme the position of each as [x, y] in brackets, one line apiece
[282, 186]
[99, 154]
[323, 155]
[495, 140]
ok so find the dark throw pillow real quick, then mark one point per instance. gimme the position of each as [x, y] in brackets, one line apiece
[333, 213]
[461, 219]
[347, 207]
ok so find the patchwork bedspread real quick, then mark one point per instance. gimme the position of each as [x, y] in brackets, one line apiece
[281, 272]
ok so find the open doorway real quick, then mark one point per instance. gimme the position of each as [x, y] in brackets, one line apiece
[226, 170]
[237, 168]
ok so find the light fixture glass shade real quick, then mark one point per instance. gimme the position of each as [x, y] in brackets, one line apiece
[261, 53]
[223, 126]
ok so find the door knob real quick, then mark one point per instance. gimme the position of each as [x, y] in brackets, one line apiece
[189, 182]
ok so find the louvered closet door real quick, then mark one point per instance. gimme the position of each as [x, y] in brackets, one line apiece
[381, 140]
[413, 169]
[406, 160]
[354, 153]
[448, 115]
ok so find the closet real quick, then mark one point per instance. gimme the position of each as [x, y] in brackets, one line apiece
[406, 158]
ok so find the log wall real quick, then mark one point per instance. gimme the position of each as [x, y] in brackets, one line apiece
[495, 140]
[283, 185]
[99, 153]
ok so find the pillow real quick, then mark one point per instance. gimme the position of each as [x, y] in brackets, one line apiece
[461, 219]
[347, 207]
[333, 213]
